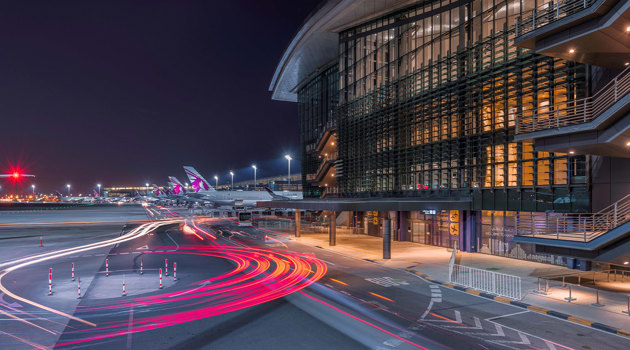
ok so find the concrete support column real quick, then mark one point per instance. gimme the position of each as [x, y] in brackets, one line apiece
[332, 228]
[387, 239]
[298, 222]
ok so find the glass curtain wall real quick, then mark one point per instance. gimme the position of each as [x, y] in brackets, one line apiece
[429, 98]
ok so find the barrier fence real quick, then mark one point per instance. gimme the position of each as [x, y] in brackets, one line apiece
[486, 281]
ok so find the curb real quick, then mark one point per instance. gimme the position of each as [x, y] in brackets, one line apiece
[596, 325]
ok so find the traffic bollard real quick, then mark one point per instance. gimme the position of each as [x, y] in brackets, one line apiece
[79, 286]
[141, 266]
[570, 299]
[49, 283]
[41, 241]
[106, 267]
[165, 267]
[73, 271]
[175, 271]
[124, 291]
[160, 278]
[597, 299]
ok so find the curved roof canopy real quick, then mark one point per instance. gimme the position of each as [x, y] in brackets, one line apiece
[316, 42]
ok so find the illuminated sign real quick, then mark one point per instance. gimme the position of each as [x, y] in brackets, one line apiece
[429, 211]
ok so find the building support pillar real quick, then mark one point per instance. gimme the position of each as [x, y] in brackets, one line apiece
[387, 239]
[298, 222]
[332, 228]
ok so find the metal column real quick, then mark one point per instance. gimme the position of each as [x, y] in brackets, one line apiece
[332, 228]
[387, 239]
[298, 220]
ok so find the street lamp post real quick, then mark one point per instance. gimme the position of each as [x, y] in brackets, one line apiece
[288, 158]
[232, 175]
[33, 186]
[146, 189]
[99, 189]
[253, 166]
[68, 186]
[216, 182]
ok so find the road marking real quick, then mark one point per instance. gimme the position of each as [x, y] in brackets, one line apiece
[177, 245]
[507, 315]
[144, 247]
[24, 340]
[27, 322]
[129, 334]
[388, 281]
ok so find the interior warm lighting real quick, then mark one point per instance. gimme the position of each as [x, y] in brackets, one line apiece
[628, 144]
[628, 29]
[571, 152]
[572, 51]
[626, 262]
[626, 64]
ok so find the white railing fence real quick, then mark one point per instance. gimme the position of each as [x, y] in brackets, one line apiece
[486, 281]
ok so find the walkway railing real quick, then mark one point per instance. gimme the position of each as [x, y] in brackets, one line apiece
[486, 281]
[550, 12]
[576, 111]
[573, 226]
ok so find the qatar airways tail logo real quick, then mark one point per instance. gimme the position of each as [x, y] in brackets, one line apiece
[197, 182]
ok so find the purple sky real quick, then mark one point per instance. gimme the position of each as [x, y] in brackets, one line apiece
[121, 92]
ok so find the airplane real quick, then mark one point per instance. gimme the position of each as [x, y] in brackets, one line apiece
[15, 175]
[73, 199]
[226, 198]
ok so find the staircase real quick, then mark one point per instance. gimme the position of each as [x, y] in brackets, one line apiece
[572, 226]
[576, 111]
[550, 12]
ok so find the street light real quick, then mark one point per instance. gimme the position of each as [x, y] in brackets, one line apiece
[146, 188]
[288, 157]
[253, 166]
[216, 181]
[99, 189]
[33, 186]
[232, 175]
[68, 186]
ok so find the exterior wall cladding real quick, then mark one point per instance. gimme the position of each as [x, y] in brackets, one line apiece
[428, 107]
[425, 101]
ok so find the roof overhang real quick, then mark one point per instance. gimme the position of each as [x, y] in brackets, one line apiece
[371, 204]
[316, 43]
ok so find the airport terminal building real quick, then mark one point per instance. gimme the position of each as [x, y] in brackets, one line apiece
[500, 126]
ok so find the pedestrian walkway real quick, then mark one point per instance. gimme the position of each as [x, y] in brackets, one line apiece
[433, 262]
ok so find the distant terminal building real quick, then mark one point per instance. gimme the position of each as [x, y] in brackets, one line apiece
[499, 126]
[126, 191]
[275, 183]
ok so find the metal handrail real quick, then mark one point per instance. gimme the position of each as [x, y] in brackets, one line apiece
[548, 13]
[574, 226]
[576, 111]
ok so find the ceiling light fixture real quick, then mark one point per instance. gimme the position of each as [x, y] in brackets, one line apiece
[571, 50]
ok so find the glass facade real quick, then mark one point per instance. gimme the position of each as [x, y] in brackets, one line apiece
[428, 101]
[317, 104]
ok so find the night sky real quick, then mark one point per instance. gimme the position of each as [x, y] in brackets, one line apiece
[123, 92]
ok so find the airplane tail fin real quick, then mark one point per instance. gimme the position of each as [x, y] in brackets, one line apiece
[176, 185]
[196, 180]
[273, 195]
[157, 190]
[59, 195]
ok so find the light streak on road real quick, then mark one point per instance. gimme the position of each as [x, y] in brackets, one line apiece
[382, 297]
[364, 321]
[36, 259]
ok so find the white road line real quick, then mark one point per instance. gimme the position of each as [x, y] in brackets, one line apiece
[129, 328]
[169, 236]
[507, 315]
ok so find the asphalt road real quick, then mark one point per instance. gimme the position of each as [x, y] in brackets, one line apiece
[244, 288]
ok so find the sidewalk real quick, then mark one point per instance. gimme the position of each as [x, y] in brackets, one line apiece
[433, 262]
